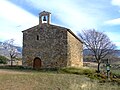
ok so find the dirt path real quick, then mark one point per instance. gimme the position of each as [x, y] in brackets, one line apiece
[6, 71]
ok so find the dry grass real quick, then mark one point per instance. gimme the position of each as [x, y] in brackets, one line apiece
[6, 71]
[36, 80]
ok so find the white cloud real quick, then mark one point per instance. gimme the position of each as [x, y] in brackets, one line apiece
[116, 2]
[14, 13]
[113, 22]
[118, 44]
[13, 20]
[69, 12]
[17, 36]
[114, 37]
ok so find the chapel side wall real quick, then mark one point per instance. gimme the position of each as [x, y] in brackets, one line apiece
[75, 51]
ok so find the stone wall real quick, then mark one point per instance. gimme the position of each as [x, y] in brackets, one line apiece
[51, 46]
[54, 45]
[75, 51]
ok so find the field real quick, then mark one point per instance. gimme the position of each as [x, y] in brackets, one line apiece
[11, 79]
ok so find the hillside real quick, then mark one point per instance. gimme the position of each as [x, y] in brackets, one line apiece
[89, 57]
[88, 52]
[5, 52]
[48, 80]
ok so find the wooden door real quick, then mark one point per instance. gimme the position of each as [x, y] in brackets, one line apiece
[37, 63]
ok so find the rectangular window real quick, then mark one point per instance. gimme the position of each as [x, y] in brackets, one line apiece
[37, 37]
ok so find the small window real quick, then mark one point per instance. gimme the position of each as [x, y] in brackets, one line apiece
[37, 37]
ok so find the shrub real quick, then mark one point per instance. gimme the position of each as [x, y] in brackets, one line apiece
[88, 72]
[116, 81]
[79, 71]
[3, 60]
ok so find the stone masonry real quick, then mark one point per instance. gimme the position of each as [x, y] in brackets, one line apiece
[53, 45]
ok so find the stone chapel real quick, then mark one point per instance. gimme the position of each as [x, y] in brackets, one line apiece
[50, 46]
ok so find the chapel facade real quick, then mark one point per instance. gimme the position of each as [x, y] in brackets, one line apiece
[50, 46]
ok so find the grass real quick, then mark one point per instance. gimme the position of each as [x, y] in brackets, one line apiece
[41, 81]
[117, 72]
[63, 79]
[80, 71]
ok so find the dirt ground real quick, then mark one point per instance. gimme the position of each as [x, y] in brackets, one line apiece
[5, 71]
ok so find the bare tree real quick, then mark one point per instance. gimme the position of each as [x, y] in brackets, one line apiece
[98, 43]
[9, 45]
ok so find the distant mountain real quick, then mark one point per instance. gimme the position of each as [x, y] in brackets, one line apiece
[5, 52]
[117, 53]
[88, 52]
[19, 49]
[87, 56]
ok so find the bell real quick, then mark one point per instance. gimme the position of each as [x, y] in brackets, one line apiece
[44, 18]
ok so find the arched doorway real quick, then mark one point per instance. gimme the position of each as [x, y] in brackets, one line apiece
[37, 63]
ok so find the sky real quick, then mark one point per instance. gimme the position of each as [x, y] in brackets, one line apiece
[77, 15]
